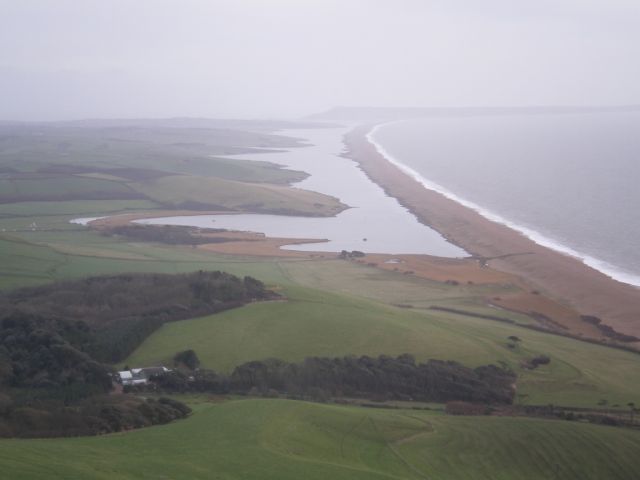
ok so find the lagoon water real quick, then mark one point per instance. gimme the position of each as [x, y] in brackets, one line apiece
[375, 223]
[570, 182]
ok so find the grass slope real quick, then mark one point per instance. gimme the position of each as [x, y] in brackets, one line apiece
[281, 439]
[251, 171]
[55, 188]
[40, 163]
[319, 323]
[30, 258]
[179, 190]
[27, 209]
[28, 148]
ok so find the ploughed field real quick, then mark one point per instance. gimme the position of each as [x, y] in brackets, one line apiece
[284, 439]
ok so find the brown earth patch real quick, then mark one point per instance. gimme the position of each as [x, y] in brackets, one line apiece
[256, 244]
[532, 303]
[440, 269]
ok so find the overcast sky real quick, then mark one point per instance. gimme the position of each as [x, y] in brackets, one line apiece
[67, 59]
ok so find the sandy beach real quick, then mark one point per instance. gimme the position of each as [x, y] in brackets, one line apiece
[557, 275]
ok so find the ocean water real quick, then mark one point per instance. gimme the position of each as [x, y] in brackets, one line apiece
[570, 182]
[375, 223]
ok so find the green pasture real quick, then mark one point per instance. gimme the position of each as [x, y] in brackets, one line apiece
[351, 278]
[29, 258]
[59, 188]
[176, 190]
[283, 439]
[249, 171]
[319, 323]
[72, 207]
[70, 163]
[179, 150]
[38, 163]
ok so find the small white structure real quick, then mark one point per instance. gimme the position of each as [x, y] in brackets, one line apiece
[140, 376]
[126, 378]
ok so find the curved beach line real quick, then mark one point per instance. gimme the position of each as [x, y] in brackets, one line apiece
[602, 266]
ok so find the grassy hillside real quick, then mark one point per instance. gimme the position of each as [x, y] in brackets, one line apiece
[316, 323]
[59, 187]
[30, 258]
[249, 171]
[30, 209]
[281, 439]
[182, 191]
[169, 148]
[174, 166]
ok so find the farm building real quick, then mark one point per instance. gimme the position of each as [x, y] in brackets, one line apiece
[140, 376]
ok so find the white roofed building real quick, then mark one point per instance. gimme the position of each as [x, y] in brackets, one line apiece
[140, 376]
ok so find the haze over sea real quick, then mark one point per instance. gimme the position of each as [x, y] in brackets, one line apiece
[569, 182]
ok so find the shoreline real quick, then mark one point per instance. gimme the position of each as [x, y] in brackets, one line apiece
[561, 276]
[540, 239]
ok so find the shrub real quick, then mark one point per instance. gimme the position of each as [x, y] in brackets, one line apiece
[188, 358]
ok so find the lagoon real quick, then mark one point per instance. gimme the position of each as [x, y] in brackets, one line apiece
[375, 223]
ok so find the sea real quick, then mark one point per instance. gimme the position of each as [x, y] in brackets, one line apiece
[570, 182]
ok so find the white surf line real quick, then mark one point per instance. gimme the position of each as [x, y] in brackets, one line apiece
[600, 265]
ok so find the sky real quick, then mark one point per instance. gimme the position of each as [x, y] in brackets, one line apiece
[73, 59]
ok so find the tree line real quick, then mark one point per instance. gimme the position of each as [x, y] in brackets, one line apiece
[379, 378]
[56, 341]
[108, 317]
[93, 416]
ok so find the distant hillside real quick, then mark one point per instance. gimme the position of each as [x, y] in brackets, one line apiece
[253, 125]
[169, 164]
[378, 114]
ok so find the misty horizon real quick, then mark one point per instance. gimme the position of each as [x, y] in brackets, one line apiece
[288, 59]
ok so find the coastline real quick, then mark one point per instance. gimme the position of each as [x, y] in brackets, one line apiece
[559, 275]
[596, 263]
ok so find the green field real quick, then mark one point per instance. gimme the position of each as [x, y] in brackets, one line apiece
[30, 209]
[315, 323]
[177, 167]
[158, 147]
[29, 258]
[249, 171]
[180, 190]
[61, 188]
[282, 439]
